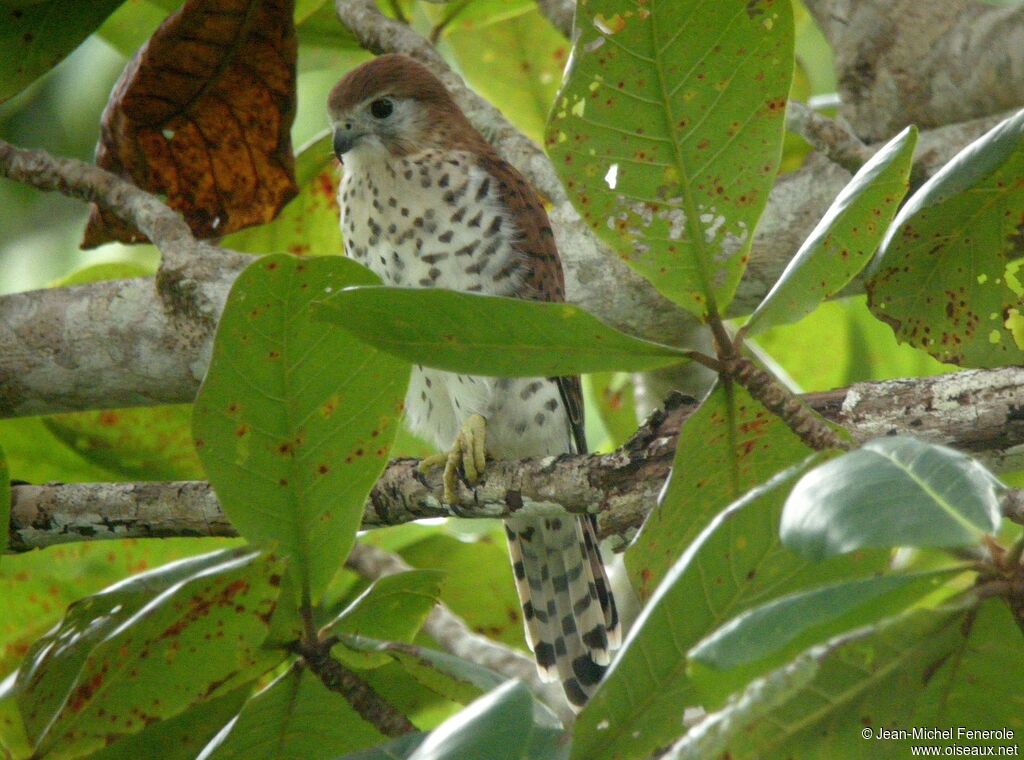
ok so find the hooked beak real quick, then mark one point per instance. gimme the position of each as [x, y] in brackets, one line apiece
[344, 139]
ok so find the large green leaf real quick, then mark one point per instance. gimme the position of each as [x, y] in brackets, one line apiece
[768, 635]
[148, 648]
[725, 448]
[946, 279]
[36, 587]
[667, 133]
[892, 492]
[844, 240]
[181, 737]
[489, 335]
[735, 563]
[498, 726]
[294, 421]
[309, 223]
[392, 609]
[294, 718]
[925, 668]
[35, 35]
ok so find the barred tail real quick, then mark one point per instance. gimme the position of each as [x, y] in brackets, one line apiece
[568, 608]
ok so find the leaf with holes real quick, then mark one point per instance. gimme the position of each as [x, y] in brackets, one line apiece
[489, 335]
[947, 276]
[726, 447]
[735, 563]
[294, 717]
[294, 421]
[202, 115]
[667, 133]
[308, 225]
[392, 609]
[892, 492]
[35, 35]
[148, 648]
[947, 667]
[844, 240]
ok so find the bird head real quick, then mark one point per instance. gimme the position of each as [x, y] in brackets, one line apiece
[393, 106]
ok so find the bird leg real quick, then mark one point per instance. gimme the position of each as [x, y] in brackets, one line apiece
[468, 451]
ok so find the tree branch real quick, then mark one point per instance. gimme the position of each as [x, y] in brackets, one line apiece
[902, 62]
[827, 136]
[978, 411]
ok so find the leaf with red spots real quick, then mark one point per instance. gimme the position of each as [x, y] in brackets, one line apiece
[728, 446]
[202, 115]
[844, 240]
[734, 562]
[947, 278]
[392, 609]
[308, 225]
[953, 666]
[489, 335]
[147, 648]
[182, 737]
[667, 133]
[612, 396]
[35, 35]
[294, 717]
[295, 420]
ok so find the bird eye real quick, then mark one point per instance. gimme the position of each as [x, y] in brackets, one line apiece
[381, 108]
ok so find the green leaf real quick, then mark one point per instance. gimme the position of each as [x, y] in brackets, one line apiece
[14, 743]
[613, 396]
[895, 491]
[5, 499]
[294, 717]
[294, 421]
[479, 587]
[148, 648]
[142, 443]
[498, 726]
[946, 278]
[667, 133]
[725, 448]
[445, 674]
[766, 636]
[735, 563]
[36, 35]
[489, 335]
[36, 587]
[396, 749]
[181, 737]
[393, 609]
[309, 223]
[925, 668]
[132, 24]
[844, 240]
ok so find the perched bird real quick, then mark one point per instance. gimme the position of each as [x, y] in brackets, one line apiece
[427, 202]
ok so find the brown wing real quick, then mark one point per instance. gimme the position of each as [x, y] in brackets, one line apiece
[544, 280]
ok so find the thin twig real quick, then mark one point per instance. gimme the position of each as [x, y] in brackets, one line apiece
[827, 136]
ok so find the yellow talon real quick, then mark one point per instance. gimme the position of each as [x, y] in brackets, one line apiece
[468, 450]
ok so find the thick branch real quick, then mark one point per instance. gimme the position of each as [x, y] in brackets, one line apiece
[979, 411]
[905, 62]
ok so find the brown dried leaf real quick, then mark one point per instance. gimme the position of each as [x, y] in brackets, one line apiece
[202, 115]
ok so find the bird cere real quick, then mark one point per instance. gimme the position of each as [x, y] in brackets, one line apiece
[427, 202]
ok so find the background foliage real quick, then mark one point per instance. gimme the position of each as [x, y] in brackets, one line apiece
[776, 608]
